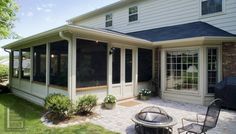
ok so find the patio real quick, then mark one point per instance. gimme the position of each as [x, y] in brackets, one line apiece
[119, 119]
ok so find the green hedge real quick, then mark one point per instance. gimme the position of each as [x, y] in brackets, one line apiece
[3, 72]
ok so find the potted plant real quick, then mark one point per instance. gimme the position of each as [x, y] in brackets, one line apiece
[144, 94]
[110, 102]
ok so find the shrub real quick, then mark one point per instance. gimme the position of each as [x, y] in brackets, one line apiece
[3, 72]
[58, 104]
[86, 103]
[110, 99]
[145, 92]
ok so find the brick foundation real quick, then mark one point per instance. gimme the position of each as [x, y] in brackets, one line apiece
[229, 59]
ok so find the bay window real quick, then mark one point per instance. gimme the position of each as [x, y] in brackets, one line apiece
[59, 63]
[25, 63]
[182, 69]
[91, 68]
[39, 64]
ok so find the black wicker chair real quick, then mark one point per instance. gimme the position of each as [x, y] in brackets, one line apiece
[210, 120]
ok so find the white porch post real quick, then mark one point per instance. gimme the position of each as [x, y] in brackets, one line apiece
[73, 68]
[47, 67]
[109, 68]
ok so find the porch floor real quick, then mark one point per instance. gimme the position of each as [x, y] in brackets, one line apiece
[119, 119]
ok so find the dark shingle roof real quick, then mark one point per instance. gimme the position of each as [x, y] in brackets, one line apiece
[189, 30]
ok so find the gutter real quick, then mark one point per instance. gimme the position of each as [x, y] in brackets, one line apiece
[70, 85]
[9, 68]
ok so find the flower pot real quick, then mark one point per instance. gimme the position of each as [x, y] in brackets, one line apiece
[110, 105]
[144, 97]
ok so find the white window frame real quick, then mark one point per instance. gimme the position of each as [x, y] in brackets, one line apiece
[219, 71]
[133, 14]
[109, 20]
[211, 14]
[163, 73]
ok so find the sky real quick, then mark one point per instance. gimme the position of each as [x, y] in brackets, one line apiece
[35, 16]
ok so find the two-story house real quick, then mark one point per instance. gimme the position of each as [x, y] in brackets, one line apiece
[185, 46]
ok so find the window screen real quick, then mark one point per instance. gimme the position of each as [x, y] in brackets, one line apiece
[25, 64]
[39, 65]
[144, 65]
[15, 64]
[59, 63]
[91, 63]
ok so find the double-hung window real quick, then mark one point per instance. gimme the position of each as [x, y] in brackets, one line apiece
[211, 6]
[109, 20]
[133, 14]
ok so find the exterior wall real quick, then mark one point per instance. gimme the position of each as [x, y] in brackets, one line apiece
[160, 13]
[229, 59]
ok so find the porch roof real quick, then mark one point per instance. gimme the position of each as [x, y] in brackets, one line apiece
[102, 33]
[183, 31]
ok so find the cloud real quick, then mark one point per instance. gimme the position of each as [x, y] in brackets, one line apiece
[46, 7]
[30, 14]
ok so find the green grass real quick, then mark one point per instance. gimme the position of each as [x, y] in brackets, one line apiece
[31, 114]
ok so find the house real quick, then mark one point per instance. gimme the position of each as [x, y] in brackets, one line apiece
[186, 46]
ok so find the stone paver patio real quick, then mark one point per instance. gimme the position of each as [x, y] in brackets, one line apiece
[119, 119]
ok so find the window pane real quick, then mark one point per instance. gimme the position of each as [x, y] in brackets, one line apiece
[182, 70]
[133, 17]
[91, 63]
[211, 6]
[15, 63]
[25, 64]
[212, 69]
[116, 66]
[128, 65]
[59, 63]
[145, 65]
[39, 66]
[108, 23]
[133, 10]
[108, 17]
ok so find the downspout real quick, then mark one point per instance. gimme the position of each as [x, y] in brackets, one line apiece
[9, 68]
[70, 89]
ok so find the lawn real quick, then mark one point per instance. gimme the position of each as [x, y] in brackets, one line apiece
[29, 114]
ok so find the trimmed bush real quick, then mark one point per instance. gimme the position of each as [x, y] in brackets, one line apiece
[59, 105]
[85, 104]
[3, 72]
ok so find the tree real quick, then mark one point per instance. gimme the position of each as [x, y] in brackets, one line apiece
[8, 9]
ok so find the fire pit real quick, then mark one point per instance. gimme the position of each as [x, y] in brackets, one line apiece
[153, 120]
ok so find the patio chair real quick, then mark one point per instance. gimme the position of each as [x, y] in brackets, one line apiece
[210, 120]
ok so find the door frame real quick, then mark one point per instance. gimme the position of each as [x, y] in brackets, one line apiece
[122, 83]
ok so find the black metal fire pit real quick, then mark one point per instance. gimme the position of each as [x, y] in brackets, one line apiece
[152, 120]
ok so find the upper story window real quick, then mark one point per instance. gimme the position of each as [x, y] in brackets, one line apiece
[133, 14]
[211, 6]
[109, 20]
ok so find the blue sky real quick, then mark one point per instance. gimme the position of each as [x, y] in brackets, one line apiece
[36, 16]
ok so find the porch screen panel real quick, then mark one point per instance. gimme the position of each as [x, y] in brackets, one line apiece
[128, 65]
[116, 66]
[91, 65]
[39, 64]
[59, 63]
[25, 64]
[15, 64]
[182, 70]
[144, 65]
